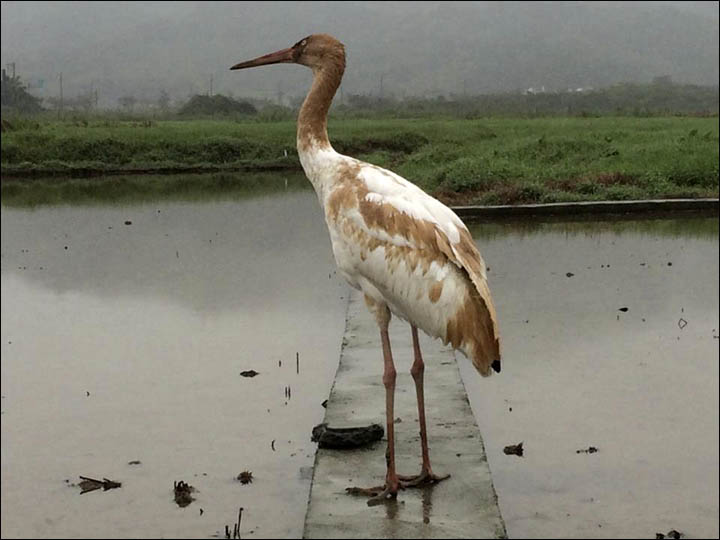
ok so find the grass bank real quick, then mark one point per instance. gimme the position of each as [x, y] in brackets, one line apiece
[474, 161]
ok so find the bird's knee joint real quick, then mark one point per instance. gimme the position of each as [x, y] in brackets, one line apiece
[389, 378]
[417, 371]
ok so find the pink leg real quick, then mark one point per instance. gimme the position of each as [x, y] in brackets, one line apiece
[389, 375]
[418, 370]
[389, 490]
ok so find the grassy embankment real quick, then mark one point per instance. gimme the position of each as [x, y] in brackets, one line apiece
[481, 161]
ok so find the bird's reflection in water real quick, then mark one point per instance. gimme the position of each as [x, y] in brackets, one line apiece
[391, 508]
[427, 503]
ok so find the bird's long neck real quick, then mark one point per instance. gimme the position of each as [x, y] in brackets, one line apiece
[312, 120]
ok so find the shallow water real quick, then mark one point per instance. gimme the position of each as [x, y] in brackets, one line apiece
[578, 372]
[155, 320]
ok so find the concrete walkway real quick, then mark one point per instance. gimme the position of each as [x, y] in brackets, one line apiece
[592, 208]
[463, 506]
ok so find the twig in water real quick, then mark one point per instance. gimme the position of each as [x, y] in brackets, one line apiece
[91, 484]
[239, 520]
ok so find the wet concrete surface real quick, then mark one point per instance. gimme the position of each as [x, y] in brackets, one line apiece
[128, 345]
[462, 506]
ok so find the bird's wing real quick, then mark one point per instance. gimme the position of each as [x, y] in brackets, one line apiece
[374, 208]
[450, 234]
[398, 209]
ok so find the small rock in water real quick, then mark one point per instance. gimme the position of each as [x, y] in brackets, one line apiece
[245, 477]
[182, 493]
[249, 373]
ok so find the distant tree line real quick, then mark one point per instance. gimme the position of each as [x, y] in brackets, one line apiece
[661, 97]
[218, 104]
[14, 95]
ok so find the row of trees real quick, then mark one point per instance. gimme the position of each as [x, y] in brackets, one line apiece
[14, 95]
[16, 98]
[662, 96]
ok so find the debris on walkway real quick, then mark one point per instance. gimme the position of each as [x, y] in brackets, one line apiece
[672, 533]
[342, 438]
[514, 450]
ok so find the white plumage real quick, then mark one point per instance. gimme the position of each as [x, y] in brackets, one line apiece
[403, 286]
[407, 252]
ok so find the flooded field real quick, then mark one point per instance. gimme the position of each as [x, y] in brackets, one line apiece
[610, 343]
[125, 342]
[125, 329]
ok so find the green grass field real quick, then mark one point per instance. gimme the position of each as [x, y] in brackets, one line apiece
[482, 161]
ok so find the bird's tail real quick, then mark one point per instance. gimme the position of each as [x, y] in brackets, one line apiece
[484, 352]
[473, 330]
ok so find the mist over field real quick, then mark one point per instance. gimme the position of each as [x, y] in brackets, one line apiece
[398, 49]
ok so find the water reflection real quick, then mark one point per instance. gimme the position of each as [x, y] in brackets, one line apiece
[427, 503]
[113, 190]
[224, 255]
[134, 336]
[158, 317]
[593, 344]
[689, 226]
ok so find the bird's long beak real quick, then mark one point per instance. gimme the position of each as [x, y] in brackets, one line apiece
[283, 56]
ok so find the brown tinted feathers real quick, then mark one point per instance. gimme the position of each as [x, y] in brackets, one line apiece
[475, 322]
[473, 327]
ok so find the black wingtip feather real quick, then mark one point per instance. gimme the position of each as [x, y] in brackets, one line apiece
[496, 366]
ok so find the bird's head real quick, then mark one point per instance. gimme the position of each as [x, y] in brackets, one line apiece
[314, 51]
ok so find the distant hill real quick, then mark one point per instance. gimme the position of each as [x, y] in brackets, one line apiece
[395, 48]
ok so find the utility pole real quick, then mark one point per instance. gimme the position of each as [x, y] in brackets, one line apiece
[211, 81]
[61, 96]
[13, 68]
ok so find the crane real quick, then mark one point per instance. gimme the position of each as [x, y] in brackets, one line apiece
[409, 254]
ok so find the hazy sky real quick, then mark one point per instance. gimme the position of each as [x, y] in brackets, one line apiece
[416, 48]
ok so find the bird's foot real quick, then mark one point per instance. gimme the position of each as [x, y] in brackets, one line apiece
[377, 494]
[425, 478]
